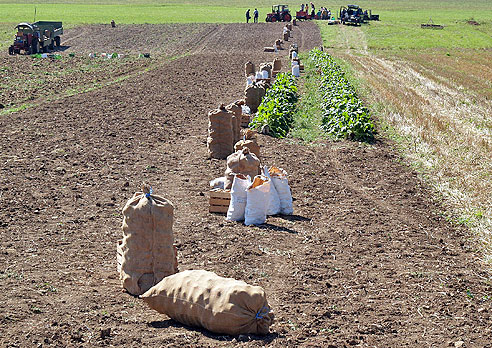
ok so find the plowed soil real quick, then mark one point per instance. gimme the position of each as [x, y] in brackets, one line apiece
[368, 260]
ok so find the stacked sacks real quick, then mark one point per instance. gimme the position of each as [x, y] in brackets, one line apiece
[237, 110]
[146, 254]
[241, 162]
[221, 305]
[220, 141]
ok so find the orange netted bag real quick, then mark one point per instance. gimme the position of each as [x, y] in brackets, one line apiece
[241, 162]
[146, 253]
[221, 305]
[220, 141]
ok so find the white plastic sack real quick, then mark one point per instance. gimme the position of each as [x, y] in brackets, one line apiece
[218, 183]
[258, 75]
[237, 206]
[265, 74]
[296, 71]
[274, 201]
[294, 62]
[246, 110]
[294, 54]
[279, 180]
[257, 201]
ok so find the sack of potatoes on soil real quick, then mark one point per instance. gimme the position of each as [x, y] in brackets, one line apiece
[237, 110]
[250, 144]
[253, 94]
[249, 69]
[146, 253]
[257, 201]
[248, 134]
[241, 162]
[220, 140]
[203, 299]
[281, 183]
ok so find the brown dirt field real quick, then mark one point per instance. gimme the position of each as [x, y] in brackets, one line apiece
[366, 261]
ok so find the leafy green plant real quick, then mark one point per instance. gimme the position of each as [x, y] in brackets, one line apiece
[344, 115]
[277, 107]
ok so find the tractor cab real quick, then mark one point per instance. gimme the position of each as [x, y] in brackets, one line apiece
[280, 13]
[23, 39]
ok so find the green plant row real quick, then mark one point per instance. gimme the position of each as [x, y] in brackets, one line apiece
[344, 116]
[277, 106]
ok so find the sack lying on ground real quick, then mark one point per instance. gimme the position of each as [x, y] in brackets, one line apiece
[238, 198]
[241, 162]
[266, 67]
[279, 179]
[237, 110]
[217, 183]
[146, 253]
[257, 201]
[250, 144]
[274, 200]
[203, 299]
[220, 141]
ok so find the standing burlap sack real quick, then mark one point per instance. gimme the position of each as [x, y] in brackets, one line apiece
[237, 110]
[221, 305]
[250, 144]
[146, 254]
[241, 162]
[277, 64]
[252, 97]
[220, 141]
[249, 69]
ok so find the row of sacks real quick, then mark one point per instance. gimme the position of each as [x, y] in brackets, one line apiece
[253, 200]
[147, 264]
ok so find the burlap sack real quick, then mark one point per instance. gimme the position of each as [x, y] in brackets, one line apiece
[252, 96]
[220, 141]
[277, 64]
[237, 110]
[241, 162]
[250, 144]
[248, 134]
[221, 305]
[249, 69]
[146, 253]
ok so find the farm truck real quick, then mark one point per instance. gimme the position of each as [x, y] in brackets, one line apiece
[280, 13]
[36, 37]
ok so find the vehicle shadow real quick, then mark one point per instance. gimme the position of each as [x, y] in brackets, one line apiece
[61, 48]
[164, 324]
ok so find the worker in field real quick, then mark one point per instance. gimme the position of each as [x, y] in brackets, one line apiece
[248, 16]
[255, 15]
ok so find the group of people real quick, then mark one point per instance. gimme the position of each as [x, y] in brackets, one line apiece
[255, 15]
[305, 8]
[323, 13]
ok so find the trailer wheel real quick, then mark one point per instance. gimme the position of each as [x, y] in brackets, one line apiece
[287, 17]
[52, 45]
[11, 50]
[57, 41]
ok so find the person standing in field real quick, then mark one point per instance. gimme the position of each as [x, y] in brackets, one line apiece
[255, 14]
[248, 17]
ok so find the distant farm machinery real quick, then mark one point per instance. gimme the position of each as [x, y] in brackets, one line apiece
[37, 37]
[280, 13]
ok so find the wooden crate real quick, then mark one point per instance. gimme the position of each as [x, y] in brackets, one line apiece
[245, 120]
[219, 201]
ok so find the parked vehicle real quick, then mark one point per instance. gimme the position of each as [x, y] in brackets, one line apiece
[280, 13]
[37, 37]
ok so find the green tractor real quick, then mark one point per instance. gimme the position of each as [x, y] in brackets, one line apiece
[280, 13]
[37, 37]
